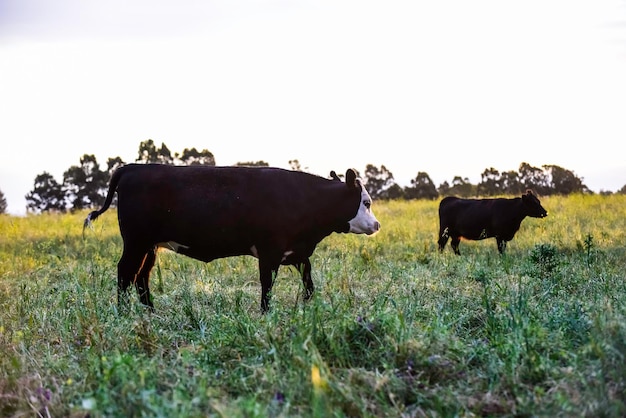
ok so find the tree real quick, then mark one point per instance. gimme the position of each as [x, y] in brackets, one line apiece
[490, 183]
[394, 192]
[295, 165]
[622, 190]
[113, 164]
[3, 203]
[378, 181]
[148, 153]
[444, 189]
[422, 187]
[259, 163]
[510, 183]
[194, 157]
[85, 185]
[494, 183]
[564, 181]
[461, 187]
[533, 178]
[47, 195]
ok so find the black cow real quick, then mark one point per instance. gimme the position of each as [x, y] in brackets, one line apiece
[477, 219]
[203, 212]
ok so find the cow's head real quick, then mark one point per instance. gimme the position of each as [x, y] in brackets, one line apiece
[364, 222]
[533, 206]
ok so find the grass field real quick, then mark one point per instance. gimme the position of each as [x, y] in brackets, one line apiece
[395, 328]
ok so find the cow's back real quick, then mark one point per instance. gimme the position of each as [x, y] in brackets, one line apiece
[457, 211]
[232, 205]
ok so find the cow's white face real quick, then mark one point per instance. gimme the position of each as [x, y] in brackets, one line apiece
[364, 222]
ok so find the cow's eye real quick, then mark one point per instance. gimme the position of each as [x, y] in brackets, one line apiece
[367, 203]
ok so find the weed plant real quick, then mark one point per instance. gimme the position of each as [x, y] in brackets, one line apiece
[395, 328]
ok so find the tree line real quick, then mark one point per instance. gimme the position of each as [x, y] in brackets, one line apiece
[85, 185]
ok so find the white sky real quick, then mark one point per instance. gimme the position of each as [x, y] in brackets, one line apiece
[446, 87]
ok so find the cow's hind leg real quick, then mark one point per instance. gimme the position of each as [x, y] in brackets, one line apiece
[307, 281]
[143, 278]
[443, 238]
[455, 245]
[127, 270]
[267, 273]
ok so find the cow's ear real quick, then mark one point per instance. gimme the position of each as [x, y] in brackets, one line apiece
[530, 197]
[351, 180]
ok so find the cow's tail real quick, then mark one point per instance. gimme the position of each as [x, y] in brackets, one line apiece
[107, 202]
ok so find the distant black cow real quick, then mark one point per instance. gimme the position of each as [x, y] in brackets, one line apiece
[275, 215]
[477, 219]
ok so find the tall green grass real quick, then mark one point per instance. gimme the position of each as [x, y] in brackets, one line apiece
[395, 328]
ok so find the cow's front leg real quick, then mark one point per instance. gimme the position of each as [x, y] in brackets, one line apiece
[267, 273]
[501, 245]
[455, 245]
[305, 270]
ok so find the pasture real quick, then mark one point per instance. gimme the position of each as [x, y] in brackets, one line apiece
[394, 329]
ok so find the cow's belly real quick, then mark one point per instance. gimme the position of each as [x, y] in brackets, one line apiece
[475, 233]
[206, 252]
[287, 258]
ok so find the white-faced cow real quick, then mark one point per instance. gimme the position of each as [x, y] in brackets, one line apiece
[477, 219]
[204, 212]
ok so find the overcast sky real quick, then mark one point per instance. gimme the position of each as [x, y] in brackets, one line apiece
[444, 87]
